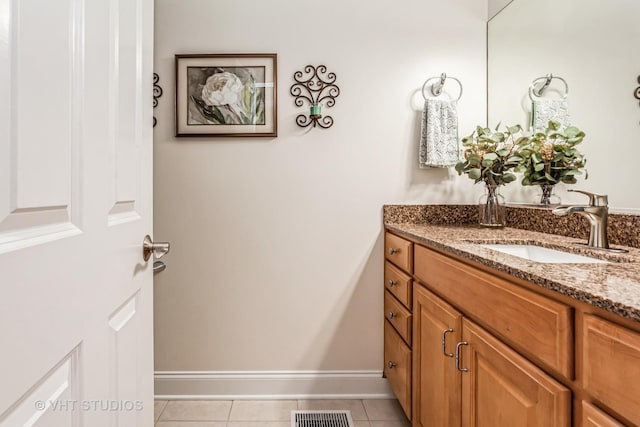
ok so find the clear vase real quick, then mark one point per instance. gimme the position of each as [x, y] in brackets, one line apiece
[547, 197]
[491, 207]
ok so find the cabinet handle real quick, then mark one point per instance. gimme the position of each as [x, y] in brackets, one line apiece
[391, 283]
[392, 365]
[393, 251]
[444, 342]
[460, 344]
[391, 315]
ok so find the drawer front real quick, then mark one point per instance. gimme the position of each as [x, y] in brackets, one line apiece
[397, 367]
[594, 417]
[533, 324]
[398, 283]
[611, 357]
[398, 316]
[399, 251]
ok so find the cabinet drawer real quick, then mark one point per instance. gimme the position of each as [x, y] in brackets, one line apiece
[397, 367]
[398, 316]
[611, 366]
[535, 325]
[594, 417]
[398, 283]
[399, 251]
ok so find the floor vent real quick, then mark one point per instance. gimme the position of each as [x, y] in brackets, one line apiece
[321, 419]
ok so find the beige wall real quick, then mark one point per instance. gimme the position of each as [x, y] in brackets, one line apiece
[495, 6]
[276, 257]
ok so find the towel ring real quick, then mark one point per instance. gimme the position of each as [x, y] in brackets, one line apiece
[539, 90]
[436, 88]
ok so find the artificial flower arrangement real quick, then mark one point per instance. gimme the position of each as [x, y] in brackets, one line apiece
[490, 156]
[551, 156]
[544, 158]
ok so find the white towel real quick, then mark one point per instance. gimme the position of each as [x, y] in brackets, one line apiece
[544, 110]
[439, 146]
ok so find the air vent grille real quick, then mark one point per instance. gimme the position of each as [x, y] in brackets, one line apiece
[321, 419]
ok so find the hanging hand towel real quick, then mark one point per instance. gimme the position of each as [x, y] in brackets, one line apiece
[439, 136]
[544, 110]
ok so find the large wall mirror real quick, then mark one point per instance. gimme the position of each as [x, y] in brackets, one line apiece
[593, 45]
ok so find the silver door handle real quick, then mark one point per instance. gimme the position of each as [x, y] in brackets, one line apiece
[157, 249]
[444, 342]
[458, 356]
[158, 266]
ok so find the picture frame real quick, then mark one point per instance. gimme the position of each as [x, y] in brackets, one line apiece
[226, 95]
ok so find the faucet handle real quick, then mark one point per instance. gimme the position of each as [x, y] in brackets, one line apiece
[594, 199]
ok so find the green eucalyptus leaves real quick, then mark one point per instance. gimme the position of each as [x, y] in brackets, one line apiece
[491, 155]
[551, 156]
[544, 158]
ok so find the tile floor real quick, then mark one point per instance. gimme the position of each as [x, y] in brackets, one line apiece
[271, 413]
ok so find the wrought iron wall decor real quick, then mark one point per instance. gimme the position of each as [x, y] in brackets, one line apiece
[157, 93]
[315, 86]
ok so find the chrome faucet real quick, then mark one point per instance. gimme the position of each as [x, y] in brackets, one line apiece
[597, 212]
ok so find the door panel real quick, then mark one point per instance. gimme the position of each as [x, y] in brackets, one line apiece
[125, 112]
[75, 204]
[437, 382]
[502, 388]
[49, 403]
[41, 115]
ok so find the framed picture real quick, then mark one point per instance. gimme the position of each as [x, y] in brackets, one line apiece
[226, 95]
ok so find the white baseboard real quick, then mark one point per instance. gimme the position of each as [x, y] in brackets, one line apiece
[234, 385]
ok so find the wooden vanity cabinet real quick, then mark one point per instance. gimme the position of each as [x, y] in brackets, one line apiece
[611, 366]
[437, 382]
[500, 387]
[398, 324]
[526, 356]
[594, 417]
[465, 376]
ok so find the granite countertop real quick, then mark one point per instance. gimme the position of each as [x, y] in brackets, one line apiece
[613, 286]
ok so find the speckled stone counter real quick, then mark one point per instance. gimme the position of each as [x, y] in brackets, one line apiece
[613, 286]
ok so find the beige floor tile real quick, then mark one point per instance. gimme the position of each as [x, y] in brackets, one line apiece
[259, 424]
[384, 410]
[158, 407]
[403, 423]
[361, 423]
[196, 410]
[191, 424]
[262, 410]
[355, 406]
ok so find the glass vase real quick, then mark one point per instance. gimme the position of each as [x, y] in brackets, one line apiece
[547, 197]
[491, 207]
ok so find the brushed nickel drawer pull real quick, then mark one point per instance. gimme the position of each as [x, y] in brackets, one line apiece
[391, 283]
[460, 344]
[444, 342]
[391, 315]
[392, 365]
[393, 251]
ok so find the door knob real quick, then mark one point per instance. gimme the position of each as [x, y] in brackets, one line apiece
[157, 249]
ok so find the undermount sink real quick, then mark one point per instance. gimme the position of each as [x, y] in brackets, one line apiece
[542, 254]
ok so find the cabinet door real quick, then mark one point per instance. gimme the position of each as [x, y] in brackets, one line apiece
[502, 388]
[436, 395]
[611, 366]
[397, 367]
[594, 417]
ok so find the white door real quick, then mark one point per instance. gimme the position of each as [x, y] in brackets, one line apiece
[75, 205]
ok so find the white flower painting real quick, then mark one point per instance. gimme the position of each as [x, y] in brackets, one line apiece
[226, 95]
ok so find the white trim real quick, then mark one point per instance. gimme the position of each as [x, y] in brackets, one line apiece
[258, 385]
